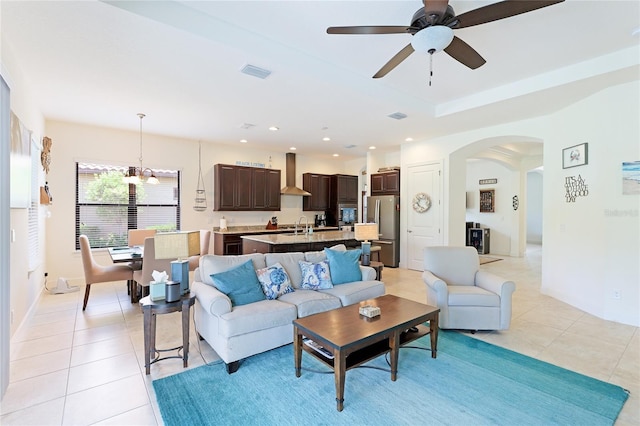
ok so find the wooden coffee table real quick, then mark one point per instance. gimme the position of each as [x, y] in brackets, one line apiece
[354, 339]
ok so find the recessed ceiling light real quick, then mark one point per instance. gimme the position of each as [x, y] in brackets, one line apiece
[372, 147]
[273, 128]
[243, 141]
[293, 148]
[326, 139]
[408, 140]
[255, 71]
[336, 155]
[397, 115]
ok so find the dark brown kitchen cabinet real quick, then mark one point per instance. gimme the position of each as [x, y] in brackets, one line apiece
[266, 189]
[320, 187]
[245, 188]
[387, 183]
[344, 189]
[227, 244]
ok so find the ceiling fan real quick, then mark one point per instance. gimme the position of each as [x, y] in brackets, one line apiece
[432, 29]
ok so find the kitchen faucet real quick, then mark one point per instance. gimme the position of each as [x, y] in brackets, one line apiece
[306, 224]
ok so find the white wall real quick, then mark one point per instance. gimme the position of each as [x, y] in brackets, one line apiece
[504, 219]
[25, 286]
[75, 142]
[534, 207]
[592, 246]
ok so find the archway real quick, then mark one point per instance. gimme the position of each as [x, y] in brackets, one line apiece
[505, 162]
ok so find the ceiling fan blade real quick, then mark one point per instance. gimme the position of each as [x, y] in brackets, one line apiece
[435, 8]
[395, 61]
[500, 10]
[372, 29]
[465, 54]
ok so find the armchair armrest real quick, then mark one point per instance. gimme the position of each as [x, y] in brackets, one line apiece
[495, 284]
[368, 273]
[211, 299]
[437, 291]
[502, 288]
[433, 282]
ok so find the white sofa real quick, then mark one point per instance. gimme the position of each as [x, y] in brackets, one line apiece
[241, 331]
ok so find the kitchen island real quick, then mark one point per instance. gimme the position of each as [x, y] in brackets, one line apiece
[290, 242]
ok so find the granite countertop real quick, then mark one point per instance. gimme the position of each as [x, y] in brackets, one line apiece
[290, 238]
[261, 229]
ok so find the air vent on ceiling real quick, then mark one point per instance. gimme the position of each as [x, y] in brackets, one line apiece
[255, 71]
[350, 146]
[247, 126]
[397, 116]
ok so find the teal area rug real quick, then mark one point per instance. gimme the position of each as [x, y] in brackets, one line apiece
[470, 382]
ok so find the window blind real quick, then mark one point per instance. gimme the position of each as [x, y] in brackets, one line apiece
[34, 209]
[107, 207]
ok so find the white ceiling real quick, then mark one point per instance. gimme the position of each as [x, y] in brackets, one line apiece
[100, 63]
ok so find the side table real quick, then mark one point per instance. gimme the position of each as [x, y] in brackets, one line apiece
[150, 309]
[378, 266]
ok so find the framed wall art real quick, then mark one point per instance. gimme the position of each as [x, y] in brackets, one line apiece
[574, 156]
[487, 200]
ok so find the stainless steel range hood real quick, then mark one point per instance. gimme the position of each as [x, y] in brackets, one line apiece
[290, 174]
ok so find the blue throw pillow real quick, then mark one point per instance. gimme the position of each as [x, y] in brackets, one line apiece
[344, 265]
[240, 284]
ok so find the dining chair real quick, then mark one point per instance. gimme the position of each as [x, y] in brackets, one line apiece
[137, 236]
[95, 273]
[205, 239]
[149, 264]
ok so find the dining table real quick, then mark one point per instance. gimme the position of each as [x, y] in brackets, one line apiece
[134, 256]
[126, 254]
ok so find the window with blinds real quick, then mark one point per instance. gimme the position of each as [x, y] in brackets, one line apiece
[107, 207]
[34, 209]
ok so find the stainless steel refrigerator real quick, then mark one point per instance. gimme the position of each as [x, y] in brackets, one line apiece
[385, 211]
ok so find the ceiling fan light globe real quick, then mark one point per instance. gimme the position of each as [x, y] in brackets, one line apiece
[432, 39]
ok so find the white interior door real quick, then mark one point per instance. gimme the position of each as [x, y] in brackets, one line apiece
[424, 227]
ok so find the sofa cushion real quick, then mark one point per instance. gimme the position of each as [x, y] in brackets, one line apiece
[290, 263]
[274, 280]
[257, 316]
[344, 265]
[240, 284]
[212, 264]
[319, 256]
[309, 302]
[356, 292]
[315, 276]
[470, 295]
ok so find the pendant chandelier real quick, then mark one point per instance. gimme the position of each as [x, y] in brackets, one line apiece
[201, 198]
[140, 174]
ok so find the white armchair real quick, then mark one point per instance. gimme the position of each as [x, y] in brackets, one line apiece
[468, 298]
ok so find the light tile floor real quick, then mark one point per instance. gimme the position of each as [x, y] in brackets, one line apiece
[73, 367]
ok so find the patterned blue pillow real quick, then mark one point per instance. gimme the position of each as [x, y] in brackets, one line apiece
[344, 265]
[240, 284]
[315, 276]
[274, 280]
